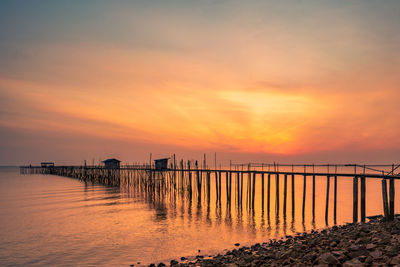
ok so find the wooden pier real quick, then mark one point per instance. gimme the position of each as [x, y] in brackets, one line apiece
[189, 179]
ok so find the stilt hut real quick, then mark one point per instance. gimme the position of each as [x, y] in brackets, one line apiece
[111, 163]
[161, 164]
[47, 164]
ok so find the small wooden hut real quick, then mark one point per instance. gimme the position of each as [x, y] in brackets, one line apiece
[47, 164]
[111, 163]
[161, 164]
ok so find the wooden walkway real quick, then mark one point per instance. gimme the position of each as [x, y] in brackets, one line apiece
[194, 181]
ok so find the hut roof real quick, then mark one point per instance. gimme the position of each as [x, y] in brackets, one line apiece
[111, 160]
[161, 159]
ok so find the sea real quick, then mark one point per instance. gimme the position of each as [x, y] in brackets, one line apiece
[48, 220]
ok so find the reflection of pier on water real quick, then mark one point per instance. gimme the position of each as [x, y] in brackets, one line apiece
[261, 197]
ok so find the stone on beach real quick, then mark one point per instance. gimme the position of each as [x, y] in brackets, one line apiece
[328, 258]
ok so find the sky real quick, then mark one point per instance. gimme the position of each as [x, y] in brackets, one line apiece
[260, 81]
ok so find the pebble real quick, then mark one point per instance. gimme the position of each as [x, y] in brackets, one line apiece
[370, 246]
[328, 258]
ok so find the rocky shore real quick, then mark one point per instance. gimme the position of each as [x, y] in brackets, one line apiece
[375, 243]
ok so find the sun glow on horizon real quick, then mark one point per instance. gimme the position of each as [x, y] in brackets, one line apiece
[255, 77]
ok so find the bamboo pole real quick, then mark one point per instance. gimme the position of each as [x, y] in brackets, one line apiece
[190, 181]
[238, 188]
[216, 186]
[355, 199]
[391, 195]
[362, 180]
[335, 199]
[385, 199]
[269, 193]
[327, 198]
[227, 186]
[262, 192]
[208, 185]
[313, 197]
[293, 199]
[219, 187]
[230, 187]
[241, 186]
[254, 190]
[277, 194]
[284, 195]
[391, 198]
[304, 195]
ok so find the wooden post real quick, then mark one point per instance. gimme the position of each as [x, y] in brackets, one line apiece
[208, 185]
[269, 193]
[391, 195]
[216, 185]
[149, 161]
[277, 194]
[238, 188]
[385, 199]
[230, 187]
[248, 202]
[362, 179]
[313, 197]
[241, 187]
[391, 198]
[199, 180]
[190, 181]
[304, 195]
[219, 187]
[254, 190]
[335, 199]
[284, 195]
[293, 205]
[262, 192]
[227, 187]
[355, 199]
[327, 198]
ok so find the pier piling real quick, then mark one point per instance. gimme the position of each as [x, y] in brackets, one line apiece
[391, 198]
[181, 179]
[327, 198]
[355, 199]
[385, 199]
[362, 180]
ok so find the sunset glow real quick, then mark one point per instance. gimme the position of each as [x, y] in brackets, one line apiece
[178, 77]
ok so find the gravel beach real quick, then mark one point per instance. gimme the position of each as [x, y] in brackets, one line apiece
[374, 243]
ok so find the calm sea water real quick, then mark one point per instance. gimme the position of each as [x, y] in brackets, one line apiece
[51, 220]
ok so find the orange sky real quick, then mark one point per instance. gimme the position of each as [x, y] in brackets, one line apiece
[252, 81]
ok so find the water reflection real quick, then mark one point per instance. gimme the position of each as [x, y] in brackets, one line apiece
[246, 198]
[154, 217]
[214, 202]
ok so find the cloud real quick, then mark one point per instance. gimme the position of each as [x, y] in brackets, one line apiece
[274, 78]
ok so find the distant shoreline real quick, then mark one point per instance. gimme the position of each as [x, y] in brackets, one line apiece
[8, 167]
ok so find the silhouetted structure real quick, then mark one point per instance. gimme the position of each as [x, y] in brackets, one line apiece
[183, 179]
[161, 164]
[111, 163]
[47, 164]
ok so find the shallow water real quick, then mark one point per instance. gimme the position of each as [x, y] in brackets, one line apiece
[52, 220]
